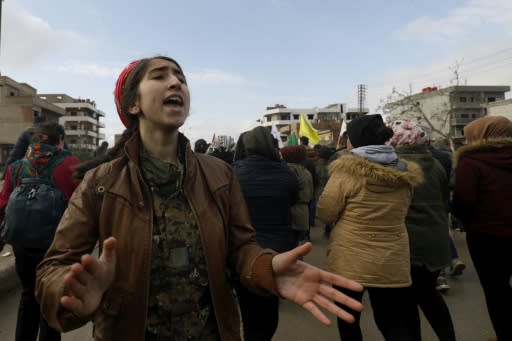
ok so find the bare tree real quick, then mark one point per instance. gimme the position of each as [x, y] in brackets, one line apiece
[405, 105]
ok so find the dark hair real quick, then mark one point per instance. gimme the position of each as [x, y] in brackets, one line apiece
[49, 132]
[201, 146]
[129, 96]
[304, 140]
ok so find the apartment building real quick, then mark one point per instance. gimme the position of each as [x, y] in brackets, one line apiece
[327, 120]
[19, 104]
[81, 121]
[446, 111]
[500, 108]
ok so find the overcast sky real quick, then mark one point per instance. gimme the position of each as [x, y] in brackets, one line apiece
[242, 56]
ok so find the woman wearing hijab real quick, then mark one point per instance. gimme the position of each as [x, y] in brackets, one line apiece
[270, 189]
[427, 226]
[482, 200]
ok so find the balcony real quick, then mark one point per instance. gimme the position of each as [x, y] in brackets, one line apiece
[81, 132]
[68, 118]
[87, 146]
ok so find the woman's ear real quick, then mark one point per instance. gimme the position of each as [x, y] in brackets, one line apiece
[134, 109]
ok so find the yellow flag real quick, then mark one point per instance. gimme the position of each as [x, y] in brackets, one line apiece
[306, 129]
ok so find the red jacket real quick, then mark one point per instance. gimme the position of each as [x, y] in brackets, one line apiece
[483, 187]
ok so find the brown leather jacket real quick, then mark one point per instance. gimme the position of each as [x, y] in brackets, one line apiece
[113, 200]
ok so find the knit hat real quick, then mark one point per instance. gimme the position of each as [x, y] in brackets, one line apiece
[406, 131]
[488, 127]
[293, 154]
[368, 130]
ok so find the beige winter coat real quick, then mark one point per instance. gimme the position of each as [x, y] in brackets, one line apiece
[369, 202]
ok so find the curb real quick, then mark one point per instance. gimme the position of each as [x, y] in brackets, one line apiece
[8, 278]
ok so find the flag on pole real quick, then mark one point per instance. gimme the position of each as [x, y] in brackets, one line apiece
[292, 139]
[276, 135]
[343, 129]
[306, 129]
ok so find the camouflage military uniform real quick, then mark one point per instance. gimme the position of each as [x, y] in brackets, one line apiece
[180, 305]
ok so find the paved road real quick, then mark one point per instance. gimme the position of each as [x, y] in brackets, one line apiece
[465, 301]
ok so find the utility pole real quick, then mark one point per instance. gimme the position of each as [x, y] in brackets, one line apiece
[361, 97]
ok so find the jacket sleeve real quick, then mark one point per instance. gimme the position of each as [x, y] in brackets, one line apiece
[76, 235]
[465, 190]
[7, 189]
[63, 176]
[332, 201]
[20, 147]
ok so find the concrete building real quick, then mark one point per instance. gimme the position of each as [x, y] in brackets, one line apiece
[445, 112]
[81, 121]
[500, 108]
[19, 104]
[327, 120]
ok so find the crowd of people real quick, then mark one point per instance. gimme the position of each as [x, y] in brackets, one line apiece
[203, 244]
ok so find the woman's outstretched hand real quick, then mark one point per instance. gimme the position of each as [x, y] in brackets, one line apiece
[88, 280]
[311, 287]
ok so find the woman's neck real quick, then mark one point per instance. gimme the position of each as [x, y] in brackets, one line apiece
[161, 144]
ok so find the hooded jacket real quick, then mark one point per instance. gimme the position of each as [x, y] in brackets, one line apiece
[483, 186]
[113, 200]
[427, 217]
[368, 202]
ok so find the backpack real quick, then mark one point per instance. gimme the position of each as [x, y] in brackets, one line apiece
[34, 208]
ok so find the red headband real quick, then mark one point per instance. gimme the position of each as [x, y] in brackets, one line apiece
[118, 91]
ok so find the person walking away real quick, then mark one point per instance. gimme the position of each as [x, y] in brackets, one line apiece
[201, 146]
[295, 156]
[45, 154]
[427, 227]
[171, 224]
[367, 197]
[481, 199]
[270, 189]
[23, 141]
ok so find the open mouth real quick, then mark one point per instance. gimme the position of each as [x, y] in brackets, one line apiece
[174, 100]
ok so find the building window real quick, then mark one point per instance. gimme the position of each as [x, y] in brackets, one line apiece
[296, 117]
[464, 116]
[310, 116]
[72, 113]
[462, 99]
[491, 99]
[471, 99]
[285, 117]
[268, 118]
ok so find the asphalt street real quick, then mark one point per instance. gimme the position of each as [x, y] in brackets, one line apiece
[465, 301]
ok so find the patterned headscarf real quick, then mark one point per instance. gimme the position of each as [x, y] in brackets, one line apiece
[406, 131]
[488, 127]
[118, 91]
